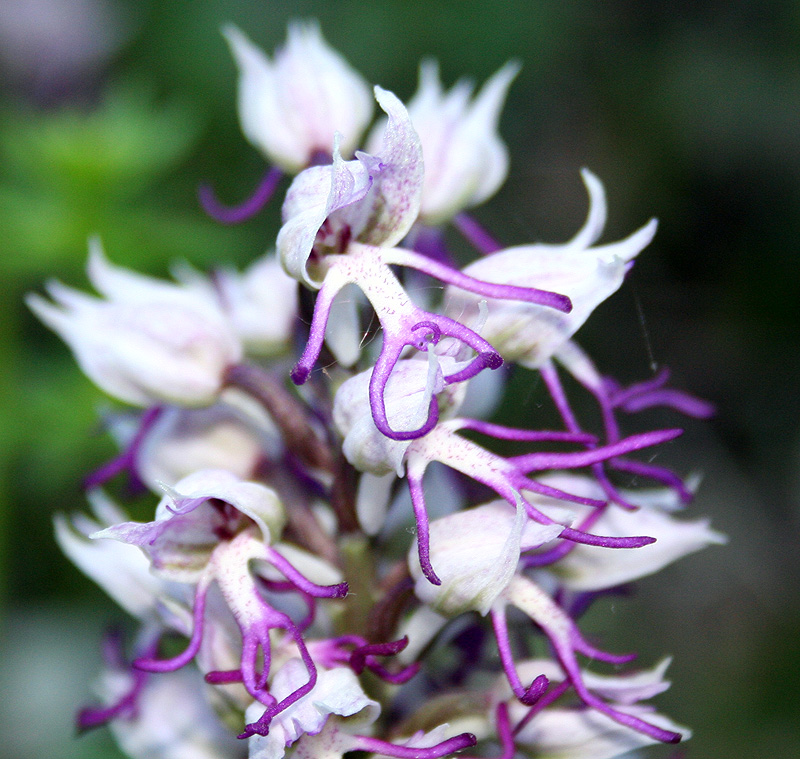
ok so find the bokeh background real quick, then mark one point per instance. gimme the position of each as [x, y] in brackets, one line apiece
[113, 111]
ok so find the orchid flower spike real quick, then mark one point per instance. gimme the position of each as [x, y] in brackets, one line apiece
[291, 106]
[149, 341]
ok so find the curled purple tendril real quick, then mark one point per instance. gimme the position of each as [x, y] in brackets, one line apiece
[126, 706]
[536, 689]
[363, 657]
[565, 651]
[548, 698]
[602, 396]
[652, 392]
[261, 726]
[246, 210]
[434, 328]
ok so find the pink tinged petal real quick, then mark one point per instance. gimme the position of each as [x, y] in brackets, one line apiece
[465, 159]
[628, 689]
[122, 571]
[589, 734]
[374, 199]
[180, 542]
[174, 720]
[290, 107]
[589, 568]
[396, 194]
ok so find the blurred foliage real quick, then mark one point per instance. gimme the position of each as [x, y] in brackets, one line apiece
[686, 110]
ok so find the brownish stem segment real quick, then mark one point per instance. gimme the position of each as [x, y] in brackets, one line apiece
[287, 411]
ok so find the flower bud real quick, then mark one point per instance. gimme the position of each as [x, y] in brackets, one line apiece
[149, 342]
[465, 159]
[408, 392]
[475, 553]
[291, 106]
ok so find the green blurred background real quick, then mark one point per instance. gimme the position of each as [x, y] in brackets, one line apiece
[113, 111]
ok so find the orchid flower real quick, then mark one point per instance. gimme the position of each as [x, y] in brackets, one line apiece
[340, 223]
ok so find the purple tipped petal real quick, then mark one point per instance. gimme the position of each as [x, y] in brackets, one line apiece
[246, 210]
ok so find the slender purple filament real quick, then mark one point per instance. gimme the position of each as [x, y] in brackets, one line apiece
[246, 210]
[383, 748]
[127, 459]
[475, 234]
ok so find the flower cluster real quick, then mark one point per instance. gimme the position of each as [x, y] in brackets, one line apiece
[279, 550]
